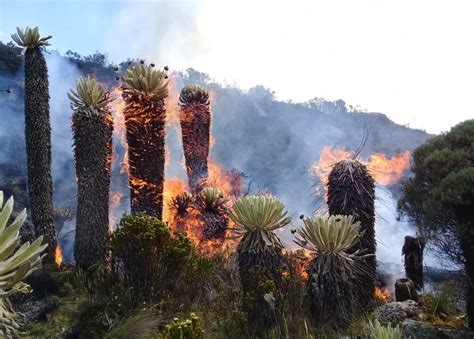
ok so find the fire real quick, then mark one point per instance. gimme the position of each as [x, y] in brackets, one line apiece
[172, 108]
[298, 263]
[388, 171]
[385, 171]
[118, 162]
[58, 256]
[383, 295]
[218, 177]
[171, 188]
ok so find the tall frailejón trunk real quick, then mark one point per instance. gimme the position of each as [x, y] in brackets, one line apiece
[351, 191]
[145, 124]
[144, 91]
[93, 152]
[38, 147]
[195, 130]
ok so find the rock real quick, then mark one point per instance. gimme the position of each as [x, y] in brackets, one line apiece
[395, 312]
[35, 310]
[420, 330]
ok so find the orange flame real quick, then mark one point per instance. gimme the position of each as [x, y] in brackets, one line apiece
[171, 188]
[383, 295]
[117, 106]
[298, 259]
[384, 170]
[388, 171]
[58, 256]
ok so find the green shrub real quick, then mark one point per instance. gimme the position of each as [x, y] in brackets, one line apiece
[147, 255]
[444, 301]
[179, 329]
[142, 324]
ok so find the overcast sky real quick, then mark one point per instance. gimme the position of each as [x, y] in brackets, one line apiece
[410, 59]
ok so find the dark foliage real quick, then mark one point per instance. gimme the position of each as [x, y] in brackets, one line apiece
[440, 198]
[145, 124]
[261, 279]
[10, 60]
[93, 156]
[147, 255]
[351, 191]
[413, 253]
[212, 213]
[195, 130]
[38, 146]
[331, 300]
[181, 206]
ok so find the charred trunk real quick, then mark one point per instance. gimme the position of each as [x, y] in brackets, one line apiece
[215, 225]
[331, 296]
[351, 191]
[405, 290]
[195, 130]
[413, 254]
[93, 154]
[38, 147]
[145, 125]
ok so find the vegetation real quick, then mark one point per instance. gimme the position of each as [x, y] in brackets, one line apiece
[211, 204]
[38, 134]
[195, 130]
[181, 206]
[260, 258]
[16, 263]
[158, 285]
[187, 328]
[92, 126]
[332, 272]
[146, 254]
[439, 198]
[351, 191]
[377, 331]
[144, 90]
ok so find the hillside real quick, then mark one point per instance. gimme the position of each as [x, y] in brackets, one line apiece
[272, 142]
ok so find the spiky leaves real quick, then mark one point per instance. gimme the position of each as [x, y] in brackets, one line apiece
[145, 81]
[89, 99]
[260, 258]
[333, 235]
[181, 206]
[16, 263]
[30, 38]
[144, 91]
[92, 127]
[211, 204]
[195, 130]
[351, 191]
[38, 135]
[331, 272]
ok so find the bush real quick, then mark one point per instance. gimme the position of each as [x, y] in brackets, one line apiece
[188, 328]
[147, 255]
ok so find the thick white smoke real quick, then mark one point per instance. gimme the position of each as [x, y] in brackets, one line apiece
[62, 77]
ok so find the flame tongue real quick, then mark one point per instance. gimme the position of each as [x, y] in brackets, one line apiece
[384, 170]
[383, 295]
[58, 257]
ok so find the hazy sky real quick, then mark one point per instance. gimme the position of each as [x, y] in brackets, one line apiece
[412, 60]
